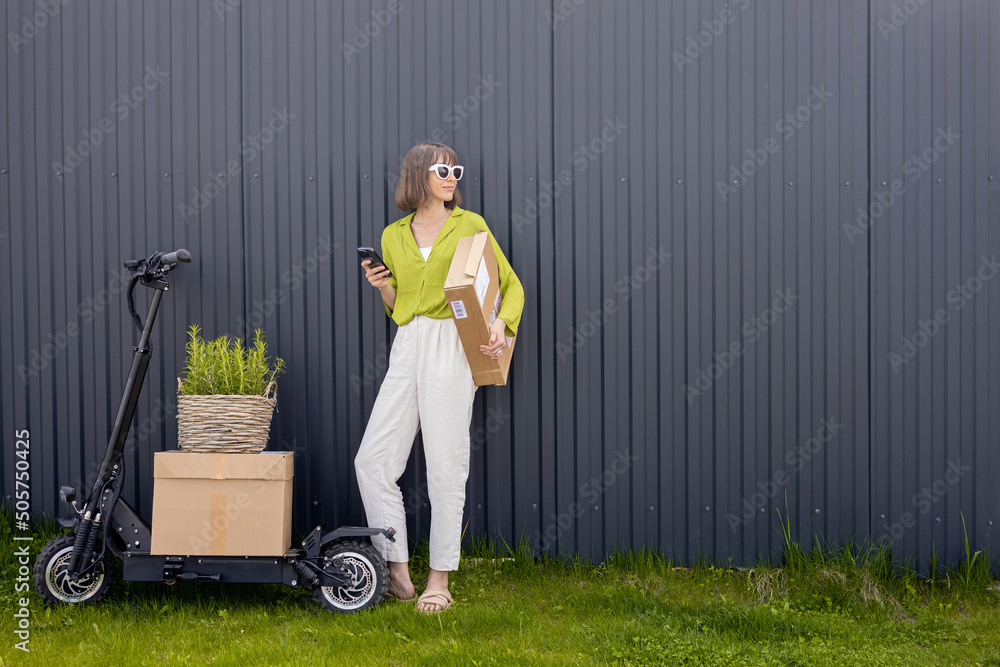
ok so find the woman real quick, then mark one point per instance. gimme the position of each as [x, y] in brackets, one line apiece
[429, 384]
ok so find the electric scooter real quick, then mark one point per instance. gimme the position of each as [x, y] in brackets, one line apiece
[344, 570]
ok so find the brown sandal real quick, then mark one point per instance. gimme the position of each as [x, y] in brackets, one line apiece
[440, 598]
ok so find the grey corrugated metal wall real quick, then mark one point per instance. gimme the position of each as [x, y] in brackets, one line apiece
[934, 349]
[689, 192]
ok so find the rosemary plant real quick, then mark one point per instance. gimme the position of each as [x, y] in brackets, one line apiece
[227, 366]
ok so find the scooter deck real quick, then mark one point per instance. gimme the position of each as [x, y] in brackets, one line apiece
[228, 569]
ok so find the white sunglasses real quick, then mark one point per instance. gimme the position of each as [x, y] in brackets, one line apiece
[442, 170]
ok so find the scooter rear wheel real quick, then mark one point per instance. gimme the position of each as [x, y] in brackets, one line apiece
[56, 587]
[368, 570]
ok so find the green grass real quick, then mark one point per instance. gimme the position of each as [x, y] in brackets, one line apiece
[825, 607]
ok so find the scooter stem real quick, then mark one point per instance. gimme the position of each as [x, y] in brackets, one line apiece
[130, 397]
[110, 466]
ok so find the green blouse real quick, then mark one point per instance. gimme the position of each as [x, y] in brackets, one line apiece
[419, 284]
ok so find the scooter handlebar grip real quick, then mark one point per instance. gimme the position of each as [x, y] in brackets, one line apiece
[181, 255]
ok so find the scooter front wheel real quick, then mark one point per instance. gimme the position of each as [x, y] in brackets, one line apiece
[53, 583]
[369, 577]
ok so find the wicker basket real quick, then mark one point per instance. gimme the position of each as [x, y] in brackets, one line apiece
[225, 424]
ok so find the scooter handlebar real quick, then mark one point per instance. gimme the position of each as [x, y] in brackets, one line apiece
[176, 256]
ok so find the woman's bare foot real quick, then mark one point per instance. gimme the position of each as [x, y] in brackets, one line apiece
[400, 586]
[437, 581]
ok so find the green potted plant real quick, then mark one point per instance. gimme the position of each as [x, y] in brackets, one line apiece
[227, 397]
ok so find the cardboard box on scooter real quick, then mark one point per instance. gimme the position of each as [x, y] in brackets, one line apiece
[222, 504]
[472, 289]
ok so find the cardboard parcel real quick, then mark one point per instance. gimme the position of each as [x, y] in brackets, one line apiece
[473, 293]
[222, 504]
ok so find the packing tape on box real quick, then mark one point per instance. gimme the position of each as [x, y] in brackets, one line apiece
[218, 519]
[218, 466]
[479, 241]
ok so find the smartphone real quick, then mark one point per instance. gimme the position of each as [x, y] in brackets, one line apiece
[369, 253]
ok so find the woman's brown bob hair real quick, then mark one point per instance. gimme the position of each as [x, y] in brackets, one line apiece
[412, 190]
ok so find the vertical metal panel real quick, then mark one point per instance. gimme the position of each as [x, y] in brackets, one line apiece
[987, 493]
[19, 249]
[8, 18]
[934, 305]
[601, 141]
[647, 101]
[579, 271]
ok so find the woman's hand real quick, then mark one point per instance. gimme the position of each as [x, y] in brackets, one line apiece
[378, 277]
[498, 340]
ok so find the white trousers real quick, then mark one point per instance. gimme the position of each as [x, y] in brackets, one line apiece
[428, 387]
